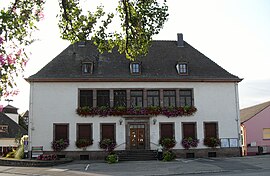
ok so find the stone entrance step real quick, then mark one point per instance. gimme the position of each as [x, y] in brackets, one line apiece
[137, 155]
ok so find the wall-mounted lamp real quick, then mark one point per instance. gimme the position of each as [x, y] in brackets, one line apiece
[154, 121]
[120, 121]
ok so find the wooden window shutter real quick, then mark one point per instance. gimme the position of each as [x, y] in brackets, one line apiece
[108, 131]
[189, 130]
[84, 131]
[210, 129]
[166, 130]
[61, 131]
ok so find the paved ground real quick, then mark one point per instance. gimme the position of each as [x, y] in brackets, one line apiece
[258, 165]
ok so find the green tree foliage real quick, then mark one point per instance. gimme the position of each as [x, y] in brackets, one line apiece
[18, 21]
[138, 21]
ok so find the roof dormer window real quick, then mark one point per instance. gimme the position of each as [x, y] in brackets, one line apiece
[135, 68]
[3, 128]
[182, 68]
[87, 67]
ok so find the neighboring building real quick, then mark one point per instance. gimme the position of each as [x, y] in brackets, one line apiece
[9, 130]
[11, 112]
[173, 74]
[255, 121]
[24, 119]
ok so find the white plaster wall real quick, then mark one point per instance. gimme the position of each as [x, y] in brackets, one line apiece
[56, 103]
[5, 142]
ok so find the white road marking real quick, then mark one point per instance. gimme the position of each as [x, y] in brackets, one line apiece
[86, 168]
[57, 170]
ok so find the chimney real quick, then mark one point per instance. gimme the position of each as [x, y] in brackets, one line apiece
[180, 41]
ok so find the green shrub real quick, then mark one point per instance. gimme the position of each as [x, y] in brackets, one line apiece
[168, 156]
[112, 158]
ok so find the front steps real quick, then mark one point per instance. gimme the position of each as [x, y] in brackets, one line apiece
[137, 155]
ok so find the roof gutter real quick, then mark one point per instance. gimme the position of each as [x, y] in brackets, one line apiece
[128, 80]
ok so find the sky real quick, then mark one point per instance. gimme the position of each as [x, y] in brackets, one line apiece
[233, 33]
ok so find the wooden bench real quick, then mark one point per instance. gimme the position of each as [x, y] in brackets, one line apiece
[36, 151]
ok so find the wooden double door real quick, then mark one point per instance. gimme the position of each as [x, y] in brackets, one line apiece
[137, 136]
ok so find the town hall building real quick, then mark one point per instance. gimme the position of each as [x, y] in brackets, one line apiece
[174, 91]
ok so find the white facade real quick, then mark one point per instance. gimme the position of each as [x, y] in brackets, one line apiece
[56, 102]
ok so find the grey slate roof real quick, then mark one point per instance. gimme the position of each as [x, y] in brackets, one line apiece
[10, 109]
[250, 112]
[13, 128]
[158, 65]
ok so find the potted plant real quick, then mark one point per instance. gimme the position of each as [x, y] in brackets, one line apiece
[112, 158]
[168, 156]
[83, 143]
[212, 142]
[59, 145]
[189, 142]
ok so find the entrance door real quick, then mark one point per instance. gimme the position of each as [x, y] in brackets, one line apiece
[137, 136]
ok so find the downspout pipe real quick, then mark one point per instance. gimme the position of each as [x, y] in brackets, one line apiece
[237, 115]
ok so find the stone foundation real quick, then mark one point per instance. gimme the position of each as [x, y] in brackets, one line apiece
[208, 152]
[80, 155]
[180, 153]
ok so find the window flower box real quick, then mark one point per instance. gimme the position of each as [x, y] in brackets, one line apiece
[120, 111]
[107, 144]
[83, 143]
[190, 142]
[167, 143]
[59, 145]
[212, 142]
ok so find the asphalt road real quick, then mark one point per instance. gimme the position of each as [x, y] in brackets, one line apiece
[240, 166]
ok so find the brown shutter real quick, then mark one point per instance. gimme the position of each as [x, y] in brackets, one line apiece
[210, 130]
[189, 130]
[61, 131]
[84, 131]
[108, 131]
[166, 130]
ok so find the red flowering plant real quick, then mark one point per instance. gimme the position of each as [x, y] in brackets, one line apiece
[212, 142]
[47, 157]
[107, 144]
[119, 111]
[167, 143]
[59, 145]
[81, 143]
[189, 142]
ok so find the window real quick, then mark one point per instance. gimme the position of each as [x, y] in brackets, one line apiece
[169, 98]
[120, 98]
[182, 68]
[87, 67]
[135, 68]
[152, 98]
[185, 98]
[210, 129]
[166, 130]
[86, 98]
[108, 131]
[266, 133]
[84, 131]
[60, 131]
[136, 98]
[3, 128]
[189, 130]
[103, 98]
